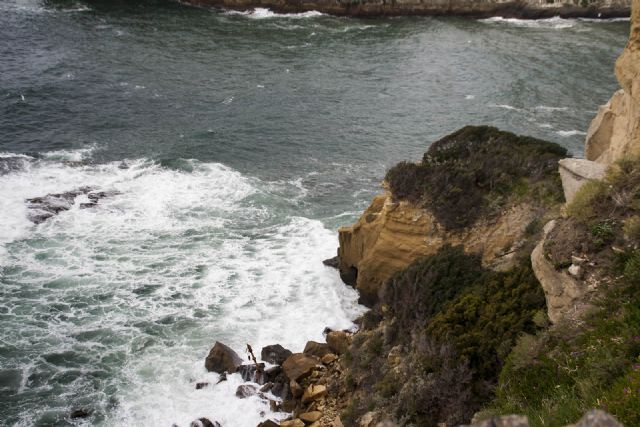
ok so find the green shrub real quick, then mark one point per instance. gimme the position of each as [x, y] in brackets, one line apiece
[475, 171]
[419, 291]
[582, 206]
[631, 229]
[484, 322]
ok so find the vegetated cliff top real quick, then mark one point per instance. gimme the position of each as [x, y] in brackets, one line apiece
[477, 171]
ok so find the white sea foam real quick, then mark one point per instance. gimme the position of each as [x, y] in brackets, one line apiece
[153, 275]
[263, 13]
[567, 133]
[548, 108]
[554, 23]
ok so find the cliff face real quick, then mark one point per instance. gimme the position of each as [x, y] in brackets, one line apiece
[390, 235]
[473, 8]
[478, 187]
[615, 131]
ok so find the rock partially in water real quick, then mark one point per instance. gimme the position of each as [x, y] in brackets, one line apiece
[332, 262]
[222, 359]
[275, 354]
[268, 423]
[252, 373]
[45, 207]
[204, 422]
[202, 385]
[338, 341]
[246, 390]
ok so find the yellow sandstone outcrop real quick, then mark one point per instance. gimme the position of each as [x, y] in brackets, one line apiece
[615, 131]
[391, 235]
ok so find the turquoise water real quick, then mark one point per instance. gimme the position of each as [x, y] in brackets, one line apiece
[231, 146]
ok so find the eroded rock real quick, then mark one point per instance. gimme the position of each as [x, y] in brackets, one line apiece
[299, 365]
[275, 354]
[222, 359]
[316, 349]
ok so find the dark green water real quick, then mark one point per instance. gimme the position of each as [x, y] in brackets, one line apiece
[236, 144]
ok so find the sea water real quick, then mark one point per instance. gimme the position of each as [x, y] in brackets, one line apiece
[230, 147]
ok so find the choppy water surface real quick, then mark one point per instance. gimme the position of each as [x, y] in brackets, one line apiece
[231, 146]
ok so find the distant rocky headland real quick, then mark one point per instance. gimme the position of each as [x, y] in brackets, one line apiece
[525, 9]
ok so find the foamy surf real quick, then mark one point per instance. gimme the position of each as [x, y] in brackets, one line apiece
[125, 298]
[264, 13]
[553, 23]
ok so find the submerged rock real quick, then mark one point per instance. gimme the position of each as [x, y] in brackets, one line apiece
[80, 413]
[222, 359]
[332, 262]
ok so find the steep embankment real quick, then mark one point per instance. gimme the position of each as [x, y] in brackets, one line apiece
[532, 9]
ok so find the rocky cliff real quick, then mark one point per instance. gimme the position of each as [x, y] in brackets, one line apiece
[478, 187]
[615, 131]
[474, 8]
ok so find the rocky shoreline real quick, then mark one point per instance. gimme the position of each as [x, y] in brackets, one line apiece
[521, 9]
[507, 295]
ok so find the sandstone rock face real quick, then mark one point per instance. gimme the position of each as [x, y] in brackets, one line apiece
[615, 131]
[565, 295]
[473, 8]
[222, 359]
[391, 235]
[577, 172]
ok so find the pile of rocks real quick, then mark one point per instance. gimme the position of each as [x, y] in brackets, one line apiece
[300, 382]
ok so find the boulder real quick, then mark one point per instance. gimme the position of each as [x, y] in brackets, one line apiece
[314, 392]
[597, 418]
[577, 172]
[275, 354]
[268, 423]
[245, 390]
[329, 358]
[201, 385]
[503, 421]
[310, 417]
[299, 365]
[222, 359]
[292, 423]
[204, 422]
[316, 349]
[338, 341]
[296, 389]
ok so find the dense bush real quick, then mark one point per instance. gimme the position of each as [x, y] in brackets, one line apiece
[484, 322]
[475, 171]
[419, 291]
[455, 322]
